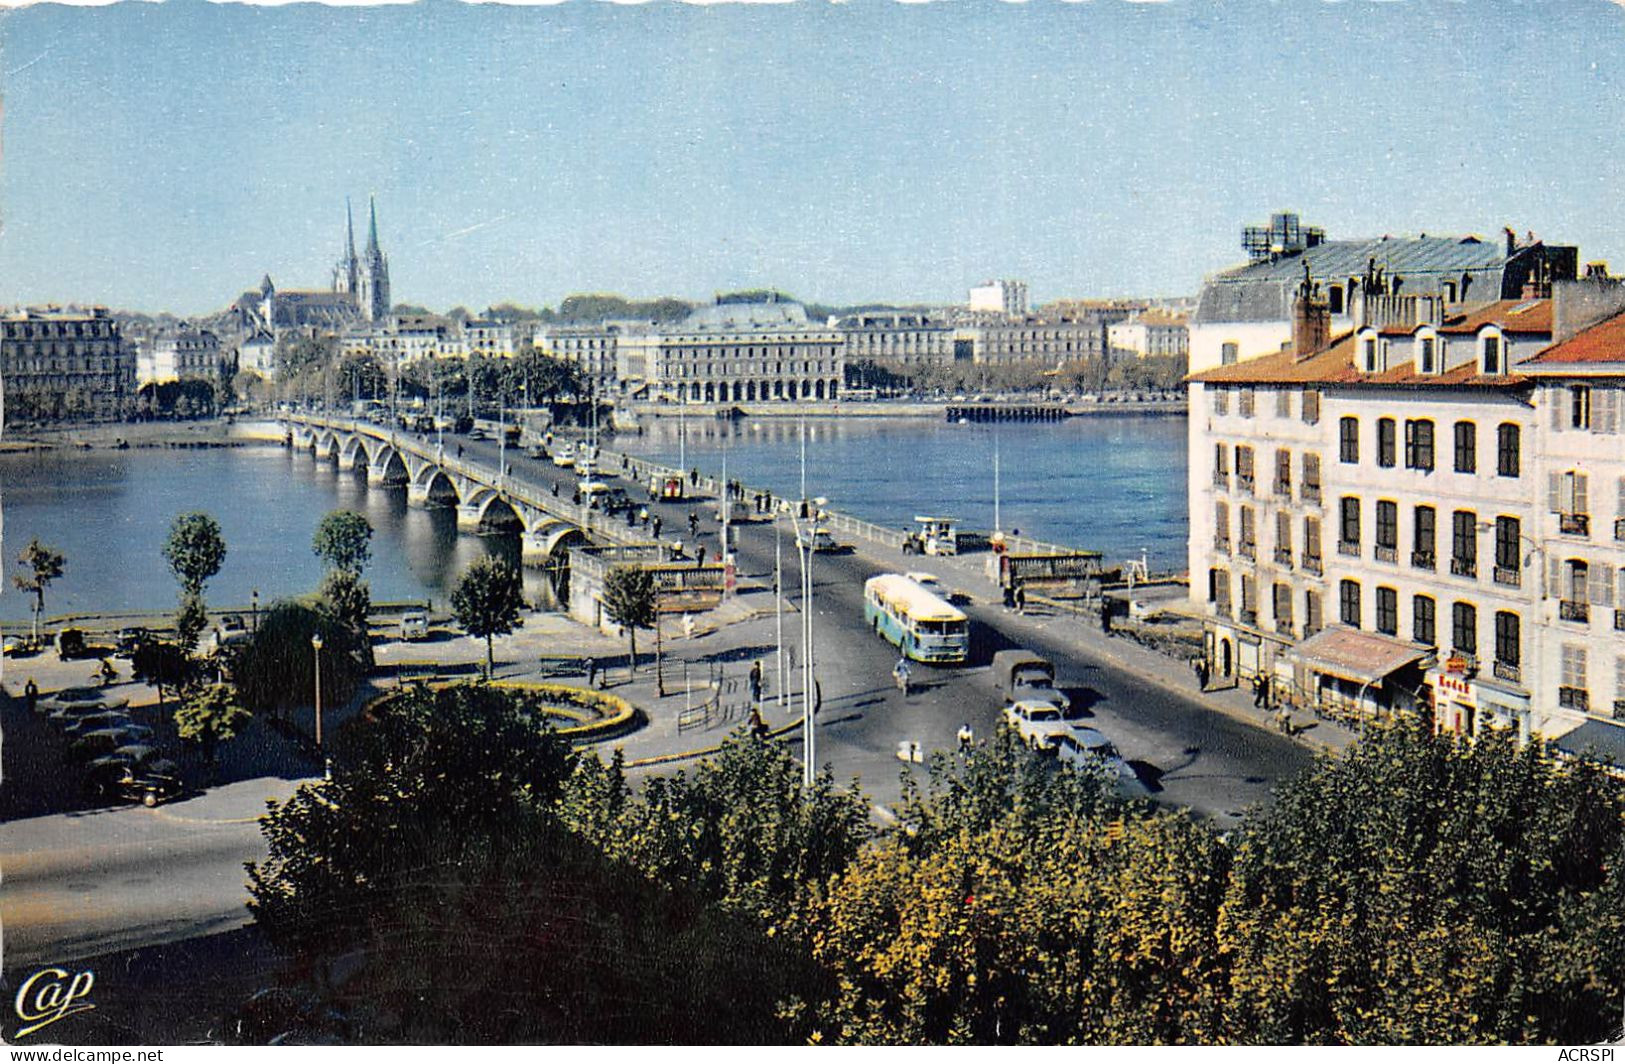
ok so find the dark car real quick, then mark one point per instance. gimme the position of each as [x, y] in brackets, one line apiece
[70, 644]
[107, 718]
[131, 638]
[158, 782]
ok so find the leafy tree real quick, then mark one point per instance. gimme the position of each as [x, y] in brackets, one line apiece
[343, 541]
[1421, 889]
[630, 600]
[276, 671]
[190, 620]
[349, 598]
[210, 716]
[43, 564]
[195, 550]
[163, 665]
[487, 602]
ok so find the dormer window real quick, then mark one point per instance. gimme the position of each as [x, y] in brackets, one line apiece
[1370, 358]
[1427, 353]
[1492, 354]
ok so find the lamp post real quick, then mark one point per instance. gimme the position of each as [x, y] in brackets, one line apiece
[254, 608]
[316, 645]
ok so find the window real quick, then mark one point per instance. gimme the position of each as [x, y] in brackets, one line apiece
[1312, 619]
[1425, 355]
[1348, 440]
[1334, 299]
[1492, 355]
[1349, 525]
[1249, 599]
[1244, 467]
[1221, 525]
[1283, 537]
[1283, 605]
[1348, 597]
[1423, 537]
[1568, 494]
[1385, 443]
[1311, 408]
[1508, 533]
[1387, 611]
[1311, 542]
[1246, 542]
[1572, 694]
[1228, 353]
[1221, 460]
[1506, 450]
[1580, 406]
[1218, 589]
[1369, 346]
[1464, 628]
[1466, 447]
[1246, 404]
[1311, 478]
[1283, 403]
[1423, 621]
[1464, 543]
[1507, 648]
[1283, 471]
[1221, 401]
[1419, 445]
[1387, 529]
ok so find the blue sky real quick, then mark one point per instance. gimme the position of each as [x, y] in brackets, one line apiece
[165, 156]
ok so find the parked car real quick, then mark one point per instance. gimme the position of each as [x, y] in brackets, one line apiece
[1022, 674]
[15, 645]
[70, 644]
[65, 713]
[101, 742]
[818, 540]
[111, 718]
[129, 639]
[158, 781]
[1040, 724]
[1085, 749]
[414, 626]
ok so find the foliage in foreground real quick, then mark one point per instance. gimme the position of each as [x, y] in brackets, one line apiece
[1415, 889]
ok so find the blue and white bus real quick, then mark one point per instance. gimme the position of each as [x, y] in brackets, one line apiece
[921, 624]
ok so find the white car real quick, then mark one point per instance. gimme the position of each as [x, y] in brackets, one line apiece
[1040, 724]
[414, 626]
[818, 540]
[1084, 749]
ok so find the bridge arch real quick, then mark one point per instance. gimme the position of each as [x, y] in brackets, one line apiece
[388, 467]
[485, 512]
[353, 453]
[433, 488]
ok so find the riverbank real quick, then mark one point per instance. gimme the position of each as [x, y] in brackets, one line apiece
[120, 436]
[886, 409]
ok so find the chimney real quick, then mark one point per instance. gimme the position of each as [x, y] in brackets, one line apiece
[1512, 240]
[1311, 319]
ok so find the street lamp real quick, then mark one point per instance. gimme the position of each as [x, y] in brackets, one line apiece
[254, 608]
[316, 645]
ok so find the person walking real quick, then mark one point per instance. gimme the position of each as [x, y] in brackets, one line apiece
[654, 525]
[1021, 599]
[900, 673]
[966, 737]
[756, 684]
[31, 694]
[1009, 599]
[1201, 674]
[592, 672]
[693, 525]
[699, 558]
[1258, 692]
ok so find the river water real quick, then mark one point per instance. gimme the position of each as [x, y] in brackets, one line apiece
[1115, 484]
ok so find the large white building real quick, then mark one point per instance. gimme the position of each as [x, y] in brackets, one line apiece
[1407, 513]
[999, 297]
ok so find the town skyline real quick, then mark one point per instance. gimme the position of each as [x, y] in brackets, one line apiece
[166, 157]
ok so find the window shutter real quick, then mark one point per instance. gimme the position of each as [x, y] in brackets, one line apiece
[1582, 502]
[1555, 395]
[1602, 585]
[1554, 492]
[1554, 577]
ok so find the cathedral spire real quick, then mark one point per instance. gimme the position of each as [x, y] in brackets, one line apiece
[349, 229]
[372, 229]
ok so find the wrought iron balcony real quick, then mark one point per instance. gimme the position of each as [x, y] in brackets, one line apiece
[1221, 479]
[1573, 611]
[1283, 556]
[1464, 567]
[1283, 487]
[1309, 492]
[1247, 549]
[1619, 529]
[1249, 617]
[1311, 564]
[1285, 628]
[1244, 481]
[1506, 670]
[1619, 620]
[1349, 550]
[1574, 524]
[1386, 554]
[1508, 577]
[1423, 559]
[1574, 698]
[1221, 544]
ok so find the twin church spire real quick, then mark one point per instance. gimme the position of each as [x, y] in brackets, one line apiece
[364, 276]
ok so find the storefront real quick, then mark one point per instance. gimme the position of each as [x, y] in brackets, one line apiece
[1352, 674]
[1466, 703]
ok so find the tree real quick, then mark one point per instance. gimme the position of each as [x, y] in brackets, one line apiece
[210, 716]
[487, 602]
[195, 549]
[630, 601]
[190, 620]
[44, 564]
[276, 671]
[343, 541]
[349, 598]
[163, 665]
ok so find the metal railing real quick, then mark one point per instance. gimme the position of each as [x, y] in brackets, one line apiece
[1507, 577]
[1568, 610]
[1574, 524]
[1574, 698]
[1506, 670]
[1283, 556]
[1221, 544]
[1385, 554]
[1348, 549]
[1310, 492]
[1423, 559]
[1464, 567]
[1311, 564]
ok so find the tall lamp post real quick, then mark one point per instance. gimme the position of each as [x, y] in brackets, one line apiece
[254, 608]
[316, 645]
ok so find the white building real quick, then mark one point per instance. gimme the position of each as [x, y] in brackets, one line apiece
[1150, 334]
[590, 348]
[1000, 297]
[1389, 518]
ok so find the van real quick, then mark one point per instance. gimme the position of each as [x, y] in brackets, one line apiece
[414, 626]
[1023, 675]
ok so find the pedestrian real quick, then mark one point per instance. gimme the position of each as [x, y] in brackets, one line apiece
[459, 450]
[1106, 616]
[31, 693]
[693, 525]
[966, 737]
[1021, 599]
[694, 477]
[1009, 598]
[655, 525]
[699, 558]
[643, 516]
[758, 726]
[1201, 674]
[1283, 721]
[592, 672]
[1258, 692]
[756, 682]
[555, 489]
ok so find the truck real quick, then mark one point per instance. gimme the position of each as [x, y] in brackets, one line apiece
[1021, 675]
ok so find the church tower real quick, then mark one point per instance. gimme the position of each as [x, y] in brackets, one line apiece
[347, 274]
[372, 289]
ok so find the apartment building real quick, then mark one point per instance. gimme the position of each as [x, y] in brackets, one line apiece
[1402, 516]
[900, 338]
[58, 363]
[590, 348]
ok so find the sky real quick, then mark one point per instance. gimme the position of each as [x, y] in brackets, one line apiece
[165, 156]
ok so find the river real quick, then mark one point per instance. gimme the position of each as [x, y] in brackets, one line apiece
[1115, 484]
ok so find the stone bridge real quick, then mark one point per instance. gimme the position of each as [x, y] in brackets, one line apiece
[487, 500]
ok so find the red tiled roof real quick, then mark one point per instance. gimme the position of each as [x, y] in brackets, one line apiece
[1511, 315]
[1600, 343]
[1336, 365]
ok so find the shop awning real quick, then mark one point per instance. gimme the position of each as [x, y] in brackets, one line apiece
[1362, 657]
[1595, 739]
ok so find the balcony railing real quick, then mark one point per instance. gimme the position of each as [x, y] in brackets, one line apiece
[1310, 492]
[1423, 559]
[1573, 611]
[1574, 524]
[1285, 628]
[1221, 479]
[1249, 617]
[1464, 567]
[1247, 549]
[1221, 544]
[1283, 556]
[1619, 620]
[1244, 481]
[1574, 698]
[1311, 564]
[1349, 550]
[1508, 577]
[1283, 487]
[1619, 529]
[1506, 670]
[1386, 554]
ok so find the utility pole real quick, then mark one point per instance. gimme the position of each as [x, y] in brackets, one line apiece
[778, 609]
[997, 524]
[809, 685]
